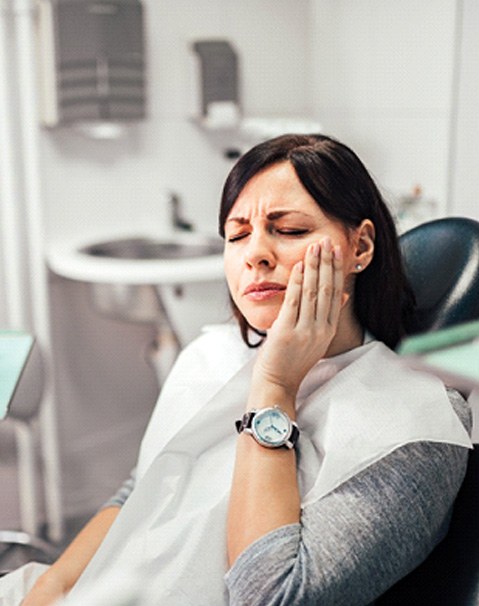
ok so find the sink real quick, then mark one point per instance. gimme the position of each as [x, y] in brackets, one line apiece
[149, 248]
[131, 273]
[138, 258]
[126, 273]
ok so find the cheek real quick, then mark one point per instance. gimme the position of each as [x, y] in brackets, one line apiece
[291, 255]
[296, 254]
[231, 270]
[348, 256]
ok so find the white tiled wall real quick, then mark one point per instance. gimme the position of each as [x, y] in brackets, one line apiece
[89, 184]
[465, 186]
[382, 77]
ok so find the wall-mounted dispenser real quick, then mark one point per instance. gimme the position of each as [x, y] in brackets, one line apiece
[219, 83]
[92, 65]
[219, 115]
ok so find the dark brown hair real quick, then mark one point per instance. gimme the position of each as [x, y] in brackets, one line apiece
[339, 182]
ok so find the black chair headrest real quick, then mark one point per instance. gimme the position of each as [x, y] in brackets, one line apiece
[442, 263]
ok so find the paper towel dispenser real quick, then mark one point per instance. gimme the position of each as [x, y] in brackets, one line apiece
[219, 81]
[92, 61]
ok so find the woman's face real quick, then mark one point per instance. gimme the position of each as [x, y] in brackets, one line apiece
[267, 231]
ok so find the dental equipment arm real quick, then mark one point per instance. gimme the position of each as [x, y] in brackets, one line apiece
[63, 574]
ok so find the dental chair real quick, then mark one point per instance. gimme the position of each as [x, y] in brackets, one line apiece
[21, 389]
[442, 263]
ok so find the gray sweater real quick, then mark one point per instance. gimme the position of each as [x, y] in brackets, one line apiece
[357, 541]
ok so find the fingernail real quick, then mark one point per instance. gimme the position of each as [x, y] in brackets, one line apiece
[315, 249]
[299, 266]
[338, 253]
[326, 244]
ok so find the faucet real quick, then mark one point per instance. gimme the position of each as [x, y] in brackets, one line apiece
[178, 221]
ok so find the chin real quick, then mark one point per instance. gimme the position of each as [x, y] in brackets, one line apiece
[261, 321]
[260, 327]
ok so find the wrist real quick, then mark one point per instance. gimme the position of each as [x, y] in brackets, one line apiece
[271, 427]
[270, 394]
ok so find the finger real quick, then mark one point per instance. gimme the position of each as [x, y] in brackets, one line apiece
[337, 299]
[325, 291]
[309, 294]
[288, 313]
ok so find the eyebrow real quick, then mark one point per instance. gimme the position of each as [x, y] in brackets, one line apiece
[272, 216]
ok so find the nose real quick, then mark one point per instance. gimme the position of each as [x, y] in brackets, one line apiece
[260, 251]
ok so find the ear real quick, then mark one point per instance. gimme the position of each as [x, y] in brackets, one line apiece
[363, 239]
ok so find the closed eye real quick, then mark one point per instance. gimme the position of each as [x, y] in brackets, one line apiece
[282, 232]
[237, 237]
[293, 232]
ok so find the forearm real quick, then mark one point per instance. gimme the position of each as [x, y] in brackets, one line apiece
[359, 539]
[264, 493]
[64, 573]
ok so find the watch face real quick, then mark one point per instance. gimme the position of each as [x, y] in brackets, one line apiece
[271, 427]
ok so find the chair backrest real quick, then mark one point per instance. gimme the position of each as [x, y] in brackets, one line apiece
[442, 263]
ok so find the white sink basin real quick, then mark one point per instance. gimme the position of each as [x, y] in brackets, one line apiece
[140, 258]
[142, 248]
[126, 272]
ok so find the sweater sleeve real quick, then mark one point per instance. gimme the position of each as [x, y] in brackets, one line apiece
[357, 541]
[121, 495]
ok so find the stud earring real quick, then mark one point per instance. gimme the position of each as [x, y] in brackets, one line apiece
[358, 267]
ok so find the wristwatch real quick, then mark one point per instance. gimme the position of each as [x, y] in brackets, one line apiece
[270, 427]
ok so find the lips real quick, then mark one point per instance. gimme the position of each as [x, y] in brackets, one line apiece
[260, 291]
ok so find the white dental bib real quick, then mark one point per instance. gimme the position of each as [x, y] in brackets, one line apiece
[353, 410]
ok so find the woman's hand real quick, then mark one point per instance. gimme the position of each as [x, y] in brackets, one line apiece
[307, 321]
[264, 492]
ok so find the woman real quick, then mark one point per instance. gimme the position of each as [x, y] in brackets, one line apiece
[346, 465]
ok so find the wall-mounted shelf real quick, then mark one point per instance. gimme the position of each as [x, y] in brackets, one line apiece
[237, 137]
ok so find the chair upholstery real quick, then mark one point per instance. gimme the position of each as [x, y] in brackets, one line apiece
[442, 262]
